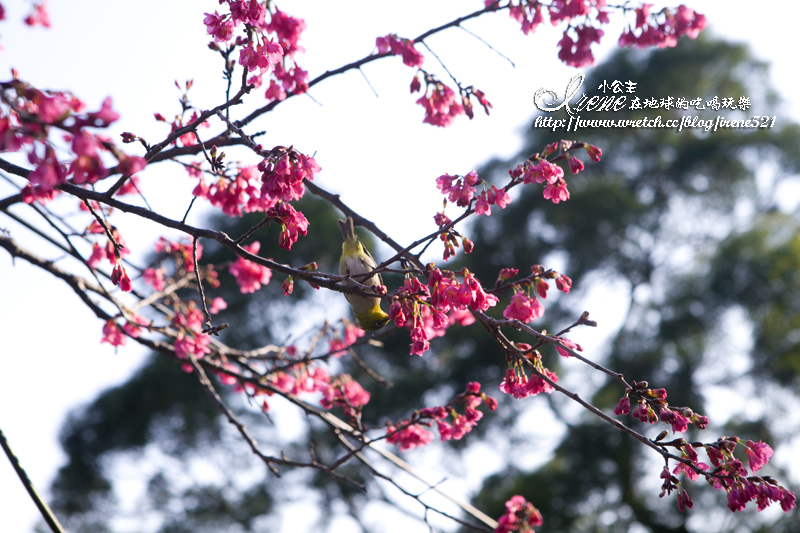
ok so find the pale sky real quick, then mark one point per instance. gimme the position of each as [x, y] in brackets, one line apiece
[51, 357]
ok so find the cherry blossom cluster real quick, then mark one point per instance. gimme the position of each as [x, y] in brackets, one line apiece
[441, 103]
[336, 391]
[411, 433]
[38, 15]
[267, 187]
[180, 252]
[577, 51]
[423, 308]
[728, 473]
[427, 310]
[539, 169]
[462, 190]
[283, 171]
[116, 336]
[119, 276]
[663, 29]
[26, 121]
[250, 276]
[439, 100]
[293, 224]
[344, 391]
[190, 340]
[392, 44]
[652, 407]
[255, 53]
[524, 305]
[518, 384]
[289, 77]
[266, 47]
[114, 249]
[450, 237]
[299, 379]
[660, 29]
[520, 517]
[233, 195]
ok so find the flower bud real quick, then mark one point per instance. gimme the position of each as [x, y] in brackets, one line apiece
[288, 286]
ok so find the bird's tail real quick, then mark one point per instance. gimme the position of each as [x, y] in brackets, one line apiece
[347, 228]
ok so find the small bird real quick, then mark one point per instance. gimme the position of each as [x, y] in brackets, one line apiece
[357, 260]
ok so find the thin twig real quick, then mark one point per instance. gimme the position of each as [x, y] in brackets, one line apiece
[252, 230]
[207, 326]
[205, 154]
[47, 513]
[203, 378]
[117, 246]
[371, 373]
[368, 83]
[186, 214]
[493, 49]
[247, 140]
[443, 65]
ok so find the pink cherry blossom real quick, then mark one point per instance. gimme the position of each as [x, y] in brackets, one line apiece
[155, 278]
[219, 26]
[344, 392]
[249, 275]
[104, 117]
[520, 517]
[120, 277]
[623, 406]
[409, 438]
[575, 165]
[556, 192]
[569, 344]
[523, 308]
[217, 305]
[542, 172]
[441, 107]
[294, 224]
[283, 179]
[758, 454]
[288, 29]
[482, 206]
[112, 334]
[396, 46]
[186, 345]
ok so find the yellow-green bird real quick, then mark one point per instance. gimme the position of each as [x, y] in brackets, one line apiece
[357, 260]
